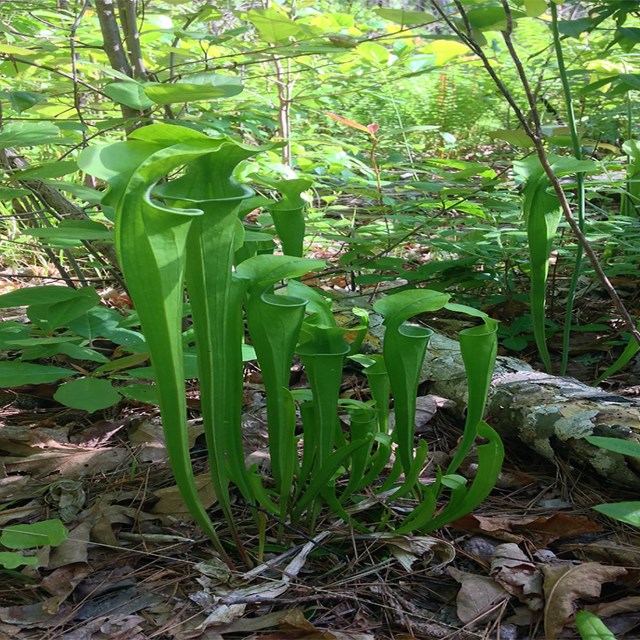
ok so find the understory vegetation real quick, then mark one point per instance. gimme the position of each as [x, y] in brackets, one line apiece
[260, 264]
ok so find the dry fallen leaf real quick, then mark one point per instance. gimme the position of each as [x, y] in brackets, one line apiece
[171, 502]
[543, 529]
[477, 595]
[113, 627]
[70, 461]
[431, 552]
[564, 585]
[511, 568]
[630, 604]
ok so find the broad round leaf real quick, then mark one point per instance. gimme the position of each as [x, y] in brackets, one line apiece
[131, 94]
[141, 393]
[89, 394]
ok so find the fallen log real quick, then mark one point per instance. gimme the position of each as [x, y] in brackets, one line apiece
[550, 414]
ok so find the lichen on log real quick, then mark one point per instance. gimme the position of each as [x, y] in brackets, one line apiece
[550, 414]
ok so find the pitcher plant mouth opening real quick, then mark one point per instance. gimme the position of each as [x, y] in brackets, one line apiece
[166, 248]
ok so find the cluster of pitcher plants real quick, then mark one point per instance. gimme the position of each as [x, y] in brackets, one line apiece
[178, 219]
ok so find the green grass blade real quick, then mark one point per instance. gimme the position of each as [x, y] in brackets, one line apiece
[623, 360]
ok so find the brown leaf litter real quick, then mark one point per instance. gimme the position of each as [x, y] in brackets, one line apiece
[135, 568]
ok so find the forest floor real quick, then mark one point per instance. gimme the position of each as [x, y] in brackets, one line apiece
[135, 568]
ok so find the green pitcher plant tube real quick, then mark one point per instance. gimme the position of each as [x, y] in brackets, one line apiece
[375, 370]
[274, 325]
[404, 351]
[542, 214]
[288, 213]
[478, 347]
[216, 304]
[157, 246]
[323, 353]
[363, 425]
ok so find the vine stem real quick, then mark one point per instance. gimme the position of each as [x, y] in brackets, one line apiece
[534, 135]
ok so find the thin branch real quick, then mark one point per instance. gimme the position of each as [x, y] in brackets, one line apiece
[111, 35]
[74, 63]
[522, 74]
[129, 22]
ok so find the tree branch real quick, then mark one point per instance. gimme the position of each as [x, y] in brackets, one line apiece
[129, 22]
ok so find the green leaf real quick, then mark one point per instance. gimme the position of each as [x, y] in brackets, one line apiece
[617, 445]
[121, 364]
[92, 196]
[534, 8]
[14, 373]
[399, 307]
[131, 94]
[625, 357]
[201, 86]
[28, 134]
[273, 24]
[487, 18]
[47, 294]
[72, 230]
[517, 138]
[266, 270]
[141, 393]
[59, 314]
[405, 18]
[627, 38]
[628, 512]
[373, 53]
[39, 534]
[77, 352]
[88, 394]
[10, 560]
[590, 627]
[22, 100]
[10, 194]
[55, 169]
[103, 322]
[574, 28]
[12, 50]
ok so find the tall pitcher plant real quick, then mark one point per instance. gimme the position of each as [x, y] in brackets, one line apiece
[186, 230]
